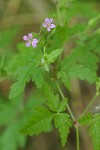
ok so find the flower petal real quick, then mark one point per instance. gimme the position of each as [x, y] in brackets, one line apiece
[48, 28]
[30, 35]
[34, 44]
[25, 38]
[47, 20]
[44, 25]
[51, 20]
[35, 41]
[52, 26]
[28, 44]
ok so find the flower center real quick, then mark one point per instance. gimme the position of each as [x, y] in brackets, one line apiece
[48, 24]
[30, 40]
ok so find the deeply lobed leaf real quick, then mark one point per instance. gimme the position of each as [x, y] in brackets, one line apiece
[63, 124]
[40, 122]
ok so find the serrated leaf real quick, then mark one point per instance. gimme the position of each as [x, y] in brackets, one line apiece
[17, 88]
[93, 124]
[52, 99]
[94, 132]
[27, 67]
[85, 120]
[24, 75]
[63, 124]
[69, 68]
[53, 55]
[65, 79]
[40, 122]
[62, 105]
[85, 56]
[76, 71]
[37, 76]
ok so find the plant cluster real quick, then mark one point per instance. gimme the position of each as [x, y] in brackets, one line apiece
[41, 61]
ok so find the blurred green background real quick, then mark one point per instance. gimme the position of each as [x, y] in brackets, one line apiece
[17, 18]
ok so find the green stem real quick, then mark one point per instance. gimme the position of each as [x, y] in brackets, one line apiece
[89, 105]
[77, 138]
[63, 97]
[60, 91]
[81, 33]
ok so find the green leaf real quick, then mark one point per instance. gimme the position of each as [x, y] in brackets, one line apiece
[85, 56]
[94, 45]
[65, 79]
[52, 99]
[63, 124]
[37, 76]
[77, 71]
[94, 128]
[27, 66]
[62, 105]
[70, 69]
[40, 122]
[94, 132]
[85, 120]
[24, 75]
[53, 55]
[58, 38]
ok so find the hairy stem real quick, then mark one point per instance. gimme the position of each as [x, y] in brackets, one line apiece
[77, 138]
[89, 105]
[60, 91]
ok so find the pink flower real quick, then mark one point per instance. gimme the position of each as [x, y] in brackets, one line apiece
[34, 42]
[49, 24]
[30, 40]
